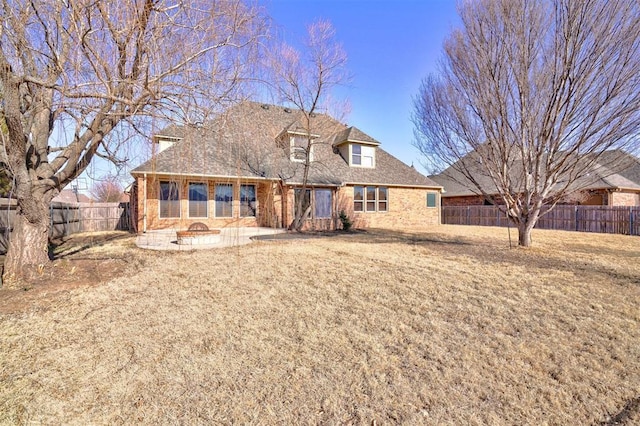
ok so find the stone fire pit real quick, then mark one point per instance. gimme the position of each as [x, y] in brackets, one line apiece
[198, 233]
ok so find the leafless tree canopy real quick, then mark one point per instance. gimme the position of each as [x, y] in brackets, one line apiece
[305, 81]
[529, 94]
[107, 190]
[79, 76]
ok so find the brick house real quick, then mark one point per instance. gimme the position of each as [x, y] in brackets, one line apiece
[613, 181]
[246, 169]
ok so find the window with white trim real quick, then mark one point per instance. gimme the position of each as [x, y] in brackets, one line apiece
[224, 200]
[198, 199]
[298, 148]
[358, 199]
[362, 155]
[370, 199]
[169, 200]
[322, 203]
[306, 201]
[382, 199]
[248, 200]
[431, 199]
[319, 201]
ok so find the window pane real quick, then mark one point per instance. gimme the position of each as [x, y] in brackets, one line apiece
[382, 193]
[247, 200]
[355, 155]
[299, 154]
[368, 154]
[431, 199]
[169, 199]
[299, 145]
[371, 193]
[306, 202]
[300, 141]
[358, 197]
[322, 203]
[371, 198]
[358, 193]
[198, 195]
[382, 199]
[224, 200]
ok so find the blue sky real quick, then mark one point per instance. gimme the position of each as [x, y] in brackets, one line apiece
[391, 46]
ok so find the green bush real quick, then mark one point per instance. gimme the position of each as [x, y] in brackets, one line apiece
[346, 222]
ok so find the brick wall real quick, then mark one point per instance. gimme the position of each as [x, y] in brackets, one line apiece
[407, 209]
[266, 210]
[627, 199]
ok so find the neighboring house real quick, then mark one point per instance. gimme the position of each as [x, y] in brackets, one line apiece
[246, 169]
[71, 196]
[613, 181]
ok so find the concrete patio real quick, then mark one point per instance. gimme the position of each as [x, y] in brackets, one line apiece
[166, 239]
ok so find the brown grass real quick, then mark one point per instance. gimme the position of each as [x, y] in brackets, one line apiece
[447, 325]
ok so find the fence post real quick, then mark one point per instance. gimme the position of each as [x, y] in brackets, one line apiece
[576, 217]
[468, 215]
[630, 220]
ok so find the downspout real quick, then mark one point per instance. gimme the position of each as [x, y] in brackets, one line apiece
[144, 205]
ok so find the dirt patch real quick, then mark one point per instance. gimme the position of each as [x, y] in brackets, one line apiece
[79, 260]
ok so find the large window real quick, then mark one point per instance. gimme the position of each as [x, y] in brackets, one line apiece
[318, 199]
[363, 156]
[322, 203]
[370, 199]
[247, 200]
[169, 200]
[224, 200]
[198, 196]
[306, 201]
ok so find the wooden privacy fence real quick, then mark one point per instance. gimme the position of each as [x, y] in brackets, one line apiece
[604, 219]
[70, 218]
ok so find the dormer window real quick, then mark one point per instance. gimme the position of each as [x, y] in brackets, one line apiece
[298, 148]
[362, 155]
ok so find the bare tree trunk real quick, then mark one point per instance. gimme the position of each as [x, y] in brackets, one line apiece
[525, 226]
[28, 246]
[524, 234]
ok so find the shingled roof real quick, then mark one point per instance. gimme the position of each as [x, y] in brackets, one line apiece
[243, 142]
[614, 169]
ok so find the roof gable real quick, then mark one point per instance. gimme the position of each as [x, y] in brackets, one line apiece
[354, 135]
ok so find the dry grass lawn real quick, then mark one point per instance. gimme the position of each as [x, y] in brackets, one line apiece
[443, 326]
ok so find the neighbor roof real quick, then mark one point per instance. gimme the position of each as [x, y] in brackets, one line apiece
[243, 142]
[615, 169]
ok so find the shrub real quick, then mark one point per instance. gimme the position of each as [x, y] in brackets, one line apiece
[346, 222]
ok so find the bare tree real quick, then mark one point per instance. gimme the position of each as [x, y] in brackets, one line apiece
[78, 77]
[305, 81]
[107, 190]
[529, 95]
